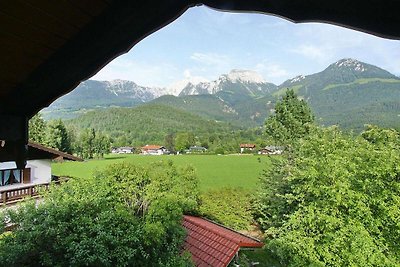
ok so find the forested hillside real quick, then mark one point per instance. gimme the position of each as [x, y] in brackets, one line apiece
[228, 107]
[350, 93]
[147, 124]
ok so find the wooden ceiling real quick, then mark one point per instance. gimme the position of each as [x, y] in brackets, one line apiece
[32, 31]
[47, 47]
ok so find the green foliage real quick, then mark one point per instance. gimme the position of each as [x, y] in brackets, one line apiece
[147, 124]
[292, 119]
[334, 201]
[127, 215]
[57, 136]
[228, 206]
[169, 142]
[92, 144]
[264, 258]
[37, 129]
[382, 137]
[184, 141]
[153, 124]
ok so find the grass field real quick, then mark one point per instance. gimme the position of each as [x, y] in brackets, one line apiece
[214, 171]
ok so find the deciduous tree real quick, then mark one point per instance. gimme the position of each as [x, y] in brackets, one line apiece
[292, 119]
[334, 201]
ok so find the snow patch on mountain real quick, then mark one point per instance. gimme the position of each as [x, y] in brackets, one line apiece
[297, 79]
[245, 76]
[351, 63]
[251, 81]
[177, 87]
[129, 89]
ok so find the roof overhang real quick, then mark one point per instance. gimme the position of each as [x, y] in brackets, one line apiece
[37, 151]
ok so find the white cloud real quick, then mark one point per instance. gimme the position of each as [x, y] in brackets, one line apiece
[210, 58]
[272, 72]
[313, 52]
[142, 73]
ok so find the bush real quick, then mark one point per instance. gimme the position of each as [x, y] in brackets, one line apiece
[125, 216]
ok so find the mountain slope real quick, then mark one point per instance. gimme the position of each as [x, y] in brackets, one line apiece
[350, 93]
[147, 123]
[245, 113]
[92, 94]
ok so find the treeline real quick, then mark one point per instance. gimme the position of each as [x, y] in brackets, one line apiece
[91, 140]
[87, 143]
[175, 129]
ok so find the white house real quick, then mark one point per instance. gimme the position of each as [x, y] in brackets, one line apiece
[123, 150]
[36, 172]
[154, 150]
[196, 149]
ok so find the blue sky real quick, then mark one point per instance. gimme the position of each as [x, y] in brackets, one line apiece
[206, 43]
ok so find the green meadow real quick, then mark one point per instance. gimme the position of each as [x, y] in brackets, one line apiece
[214, 171]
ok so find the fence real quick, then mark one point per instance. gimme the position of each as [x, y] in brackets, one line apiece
[14, 195]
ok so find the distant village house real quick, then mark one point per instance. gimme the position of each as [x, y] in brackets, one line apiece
[248, 147]
[271, 150]
[123, 150]
[154, 150]
[196, 149]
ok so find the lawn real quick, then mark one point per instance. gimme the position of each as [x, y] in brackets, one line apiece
[214, 171]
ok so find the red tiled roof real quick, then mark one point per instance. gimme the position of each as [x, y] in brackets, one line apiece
[211, 244]
[247, 145]
[151, 147]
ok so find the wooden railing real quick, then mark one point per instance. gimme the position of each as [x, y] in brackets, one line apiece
[11, 196]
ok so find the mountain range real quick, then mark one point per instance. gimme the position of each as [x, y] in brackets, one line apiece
[348, 92]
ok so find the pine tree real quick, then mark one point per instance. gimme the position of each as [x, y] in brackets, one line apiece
[37, 129]
[57, 136]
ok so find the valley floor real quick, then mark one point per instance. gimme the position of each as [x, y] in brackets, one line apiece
[214, 171]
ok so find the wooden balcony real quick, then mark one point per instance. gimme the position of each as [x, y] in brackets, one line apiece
[15, 195]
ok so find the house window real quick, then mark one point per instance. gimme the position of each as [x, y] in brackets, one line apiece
[8, 177]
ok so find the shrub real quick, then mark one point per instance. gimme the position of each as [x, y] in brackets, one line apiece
[125, 216]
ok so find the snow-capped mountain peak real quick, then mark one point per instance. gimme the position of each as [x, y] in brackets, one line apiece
[245, 76]
[118, 83]
[249, 82]
[351, 63]
[177, 87]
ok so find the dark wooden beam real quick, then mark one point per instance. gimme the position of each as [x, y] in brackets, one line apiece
[14, 139]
